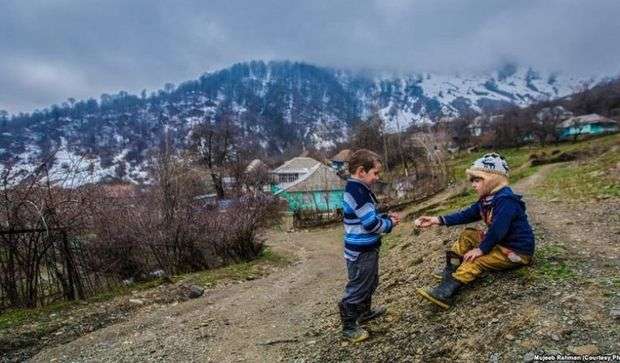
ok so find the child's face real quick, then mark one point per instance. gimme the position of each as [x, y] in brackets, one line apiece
[479, 185]
[371, 176]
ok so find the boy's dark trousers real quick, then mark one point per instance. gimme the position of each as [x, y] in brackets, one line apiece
[363, 275]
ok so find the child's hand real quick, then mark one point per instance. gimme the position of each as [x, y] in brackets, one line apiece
[426, 221]
[472, 254]
[395, 217]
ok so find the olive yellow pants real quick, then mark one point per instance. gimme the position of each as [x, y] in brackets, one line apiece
[497, 259]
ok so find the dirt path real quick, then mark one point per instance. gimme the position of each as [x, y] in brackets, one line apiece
[243, 322]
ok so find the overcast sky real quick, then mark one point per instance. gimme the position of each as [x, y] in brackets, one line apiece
[55, 49]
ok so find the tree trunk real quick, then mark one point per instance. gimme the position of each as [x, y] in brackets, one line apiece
[10, 283]
[74, 284]
[218, 184]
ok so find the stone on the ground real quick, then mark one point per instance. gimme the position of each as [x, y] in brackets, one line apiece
[195, 291]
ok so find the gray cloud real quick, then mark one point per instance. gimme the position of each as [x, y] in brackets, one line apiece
[52, 50]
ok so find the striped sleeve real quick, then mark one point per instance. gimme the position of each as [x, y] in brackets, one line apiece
[372, 222]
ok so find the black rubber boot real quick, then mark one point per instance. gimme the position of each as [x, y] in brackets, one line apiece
[442, 294]
[368, 312]
[441, 273]
[453, 261]
[350, 328]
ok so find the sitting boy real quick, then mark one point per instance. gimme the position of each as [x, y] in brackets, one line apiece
[508, 242]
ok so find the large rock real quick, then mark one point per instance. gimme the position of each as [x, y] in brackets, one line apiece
[194, 291]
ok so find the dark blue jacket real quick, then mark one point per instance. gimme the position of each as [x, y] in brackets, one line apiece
[506, 219]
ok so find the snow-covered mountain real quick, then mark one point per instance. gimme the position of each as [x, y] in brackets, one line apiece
[277, 105]
[426, 97]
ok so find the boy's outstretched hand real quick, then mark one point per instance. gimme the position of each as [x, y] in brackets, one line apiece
[426, 221]
[395, 217]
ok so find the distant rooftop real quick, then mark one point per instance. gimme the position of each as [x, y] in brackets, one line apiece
[299, 164]
[319, 178]
[587, 119]
[343, 155]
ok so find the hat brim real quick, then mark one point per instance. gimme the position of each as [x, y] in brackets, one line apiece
[476, 174]
[483, 173]
[493, 181]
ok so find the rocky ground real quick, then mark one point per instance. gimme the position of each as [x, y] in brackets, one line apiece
[567, 302]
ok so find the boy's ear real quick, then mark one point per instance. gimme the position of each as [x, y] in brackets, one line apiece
[359, 170]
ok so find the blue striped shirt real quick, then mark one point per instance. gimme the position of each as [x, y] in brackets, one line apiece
[363, 225]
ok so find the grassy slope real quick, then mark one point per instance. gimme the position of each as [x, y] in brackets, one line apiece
[513, 313]
[591, 178]
[585, 179]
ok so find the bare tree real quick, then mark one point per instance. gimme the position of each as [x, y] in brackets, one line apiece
[432, 152]
[39, 223]
[369, 135]
[460, 131]
[213, 142]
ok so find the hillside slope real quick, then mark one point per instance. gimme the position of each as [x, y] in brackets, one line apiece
[279, 107]
[565, 303]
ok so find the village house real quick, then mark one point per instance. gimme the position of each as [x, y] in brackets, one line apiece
[587, 125]
[292, 170]
[476, 126]
[308, 184]
[483, 124]
[556, 112]
[256, 165]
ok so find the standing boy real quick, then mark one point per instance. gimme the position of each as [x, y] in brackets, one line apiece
[363, 227]
[508, 242]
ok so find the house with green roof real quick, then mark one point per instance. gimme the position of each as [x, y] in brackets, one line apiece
[307, 184]
[587, 125]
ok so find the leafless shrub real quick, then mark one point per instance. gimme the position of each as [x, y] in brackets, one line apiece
[58, 242]
[39, 222]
